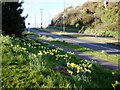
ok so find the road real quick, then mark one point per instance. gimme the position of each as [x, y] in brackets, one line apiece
[110, 49]
[102, 62]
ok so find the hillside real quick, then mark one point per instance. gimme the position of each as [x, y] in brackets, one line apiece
[91, 17]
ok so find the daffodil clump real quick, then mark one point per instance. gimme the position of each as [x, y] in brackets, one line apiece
[80, 68]
[47, 38]
[27, 63]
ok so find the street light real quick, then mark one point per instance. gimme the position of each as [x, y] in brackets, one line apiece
[41, 18]
[64, 18]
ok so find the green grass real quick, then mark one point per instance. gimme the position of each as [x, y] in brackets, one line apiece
[45, 30]
[29, 33]
[114, 43]
[29, 64]
[95, 39]
[67, 28]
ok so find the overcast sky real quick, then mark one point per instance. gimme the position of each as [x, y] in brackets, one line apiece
[50, 9]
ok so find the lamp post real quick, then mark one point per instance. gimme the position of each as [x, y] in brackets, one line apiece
[41, 18]
[64, 18]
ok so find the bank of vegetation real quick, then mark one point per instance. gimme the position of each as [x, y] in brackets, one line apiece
[31, 64]
[91, 18]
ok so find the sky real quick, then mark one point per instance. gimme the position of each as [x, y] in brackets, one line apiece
[50, 9]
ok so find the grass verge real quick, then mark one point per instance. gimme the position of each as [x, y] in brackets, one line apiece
[93, 39]
[27, 63]
[114, 43]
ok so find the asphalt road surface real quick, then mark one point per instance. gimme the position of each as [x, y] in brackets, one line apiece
[110, 49]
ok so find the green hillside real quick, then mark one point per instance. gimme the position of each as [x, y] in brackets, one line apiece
[91, 17]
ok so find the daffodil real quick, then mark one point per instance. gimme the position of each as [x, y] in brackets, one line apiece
[56, 58]
[40, 53]
[72, 64]
[90, 66]
[68, 64]
[64, 58]
[70, 72]
[113, 73]
[24, 49]
[89, 71]
[85, 60]
[18, 46]
[78, 69]
[34, 55]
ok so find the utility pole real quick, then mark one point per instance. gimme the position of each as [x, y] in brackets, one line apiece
[64, 18]
[41, 18]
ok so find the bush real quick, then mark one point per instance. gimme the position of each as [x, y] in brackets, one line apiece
[87, 19]
[109, 16]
